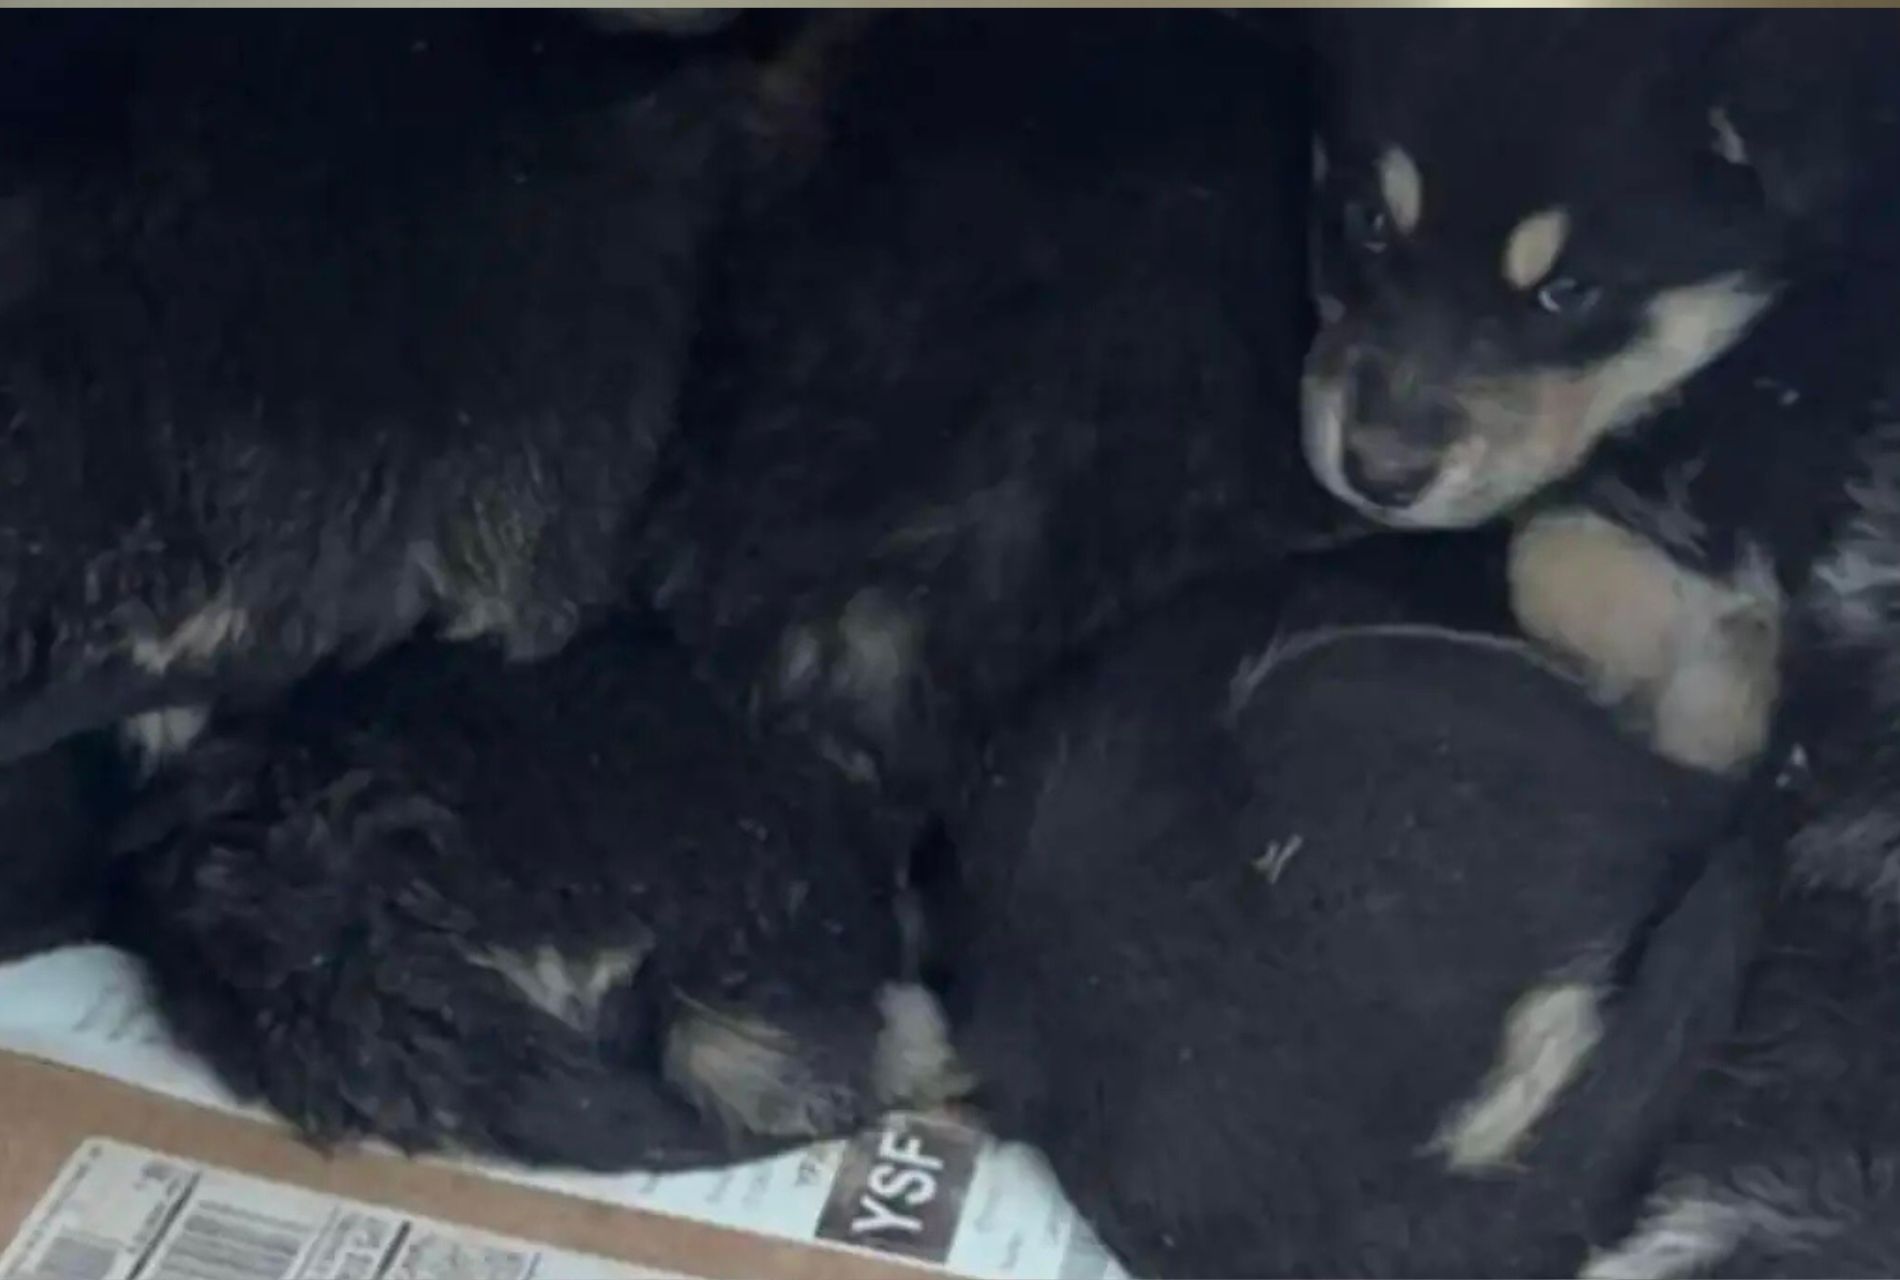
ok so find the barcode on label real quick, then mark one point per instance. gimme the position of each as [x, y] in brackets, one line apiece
[215, 1241]
[74, 1258]
[118, 1212]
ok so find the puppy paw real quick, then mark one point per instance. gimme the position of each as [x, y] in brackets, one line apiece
[914, 1065]
[1713, 708]
[755, 1077]
[1696, 658]
[1599, 596]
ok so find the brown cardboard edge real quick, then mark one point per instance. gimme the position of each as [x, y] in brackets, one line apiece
[46, 1111]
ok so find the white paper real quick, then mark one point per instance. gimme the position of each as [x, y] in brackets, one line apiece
[920, 1188]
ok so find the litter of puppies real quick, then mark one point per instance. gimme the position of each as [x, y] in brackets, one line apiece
[1298, 610]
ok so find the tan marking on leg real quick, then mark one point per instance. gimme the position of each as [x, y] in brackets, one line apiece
[1548, 1036]
[1597, 594]
[1699, 657]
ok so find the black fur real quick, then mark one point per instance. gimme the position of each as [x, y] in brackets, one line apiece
[1787, 1162]
[1236, 1050]
[316, 892]
[327, 324]
[1765, 448]
[1788, 1159]
[1009, 350]
[57, 809]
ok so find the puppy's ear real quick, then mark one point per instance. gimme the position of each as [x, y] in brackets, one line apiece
[1786, 90]
[1801, 167]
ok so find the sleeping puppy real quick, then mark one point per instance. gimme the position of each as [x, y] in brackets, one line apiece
[561, 912]
[1328, 941]
[1651, 248]
[315, 327]
[991, 369]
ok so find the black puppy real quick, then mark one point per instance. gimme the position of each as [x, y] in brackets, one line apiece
[1532, 226]
[1308, 945]
[1654, 248]
[1738, 549]
[315, 326]
[563, 912]
[1008, 348]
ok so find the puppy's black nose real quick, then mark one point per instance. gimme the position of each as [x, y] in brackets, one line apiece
[1385, 469]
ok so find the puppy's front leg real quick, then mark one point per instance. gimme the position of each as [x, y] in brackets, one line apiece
[1698, 656]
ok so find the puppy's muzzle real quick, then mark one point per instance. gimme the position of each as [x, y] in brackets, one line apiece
[1387, 468]
[1394, 438]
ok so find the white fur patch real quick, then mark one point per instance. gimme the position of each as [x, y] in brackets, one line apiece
[1278, 854]
[750, 1074]
[1402, 187]
[1725, 139]
[879, 643]
[1856, 587]
[914, 1064]
[154, 737]
[1855, 582]
[570, 988]
[1682, 1240]
[1548, 1035]
[800, 655]
[1688, 1231]
[1534, 246]
[1322, 434]
[202, 636]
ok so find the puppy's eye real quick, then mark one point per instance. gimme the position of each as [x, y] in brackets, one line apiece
[1366, 225]
[1567, 296]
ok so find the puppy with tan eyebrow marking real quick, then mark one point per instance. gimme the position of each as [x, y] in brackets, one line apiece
[1620, 277]
[1531, 231]
[1731, 568]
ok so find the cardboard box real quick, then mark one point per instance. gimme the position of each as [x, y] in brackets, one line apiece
[121, 1159]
